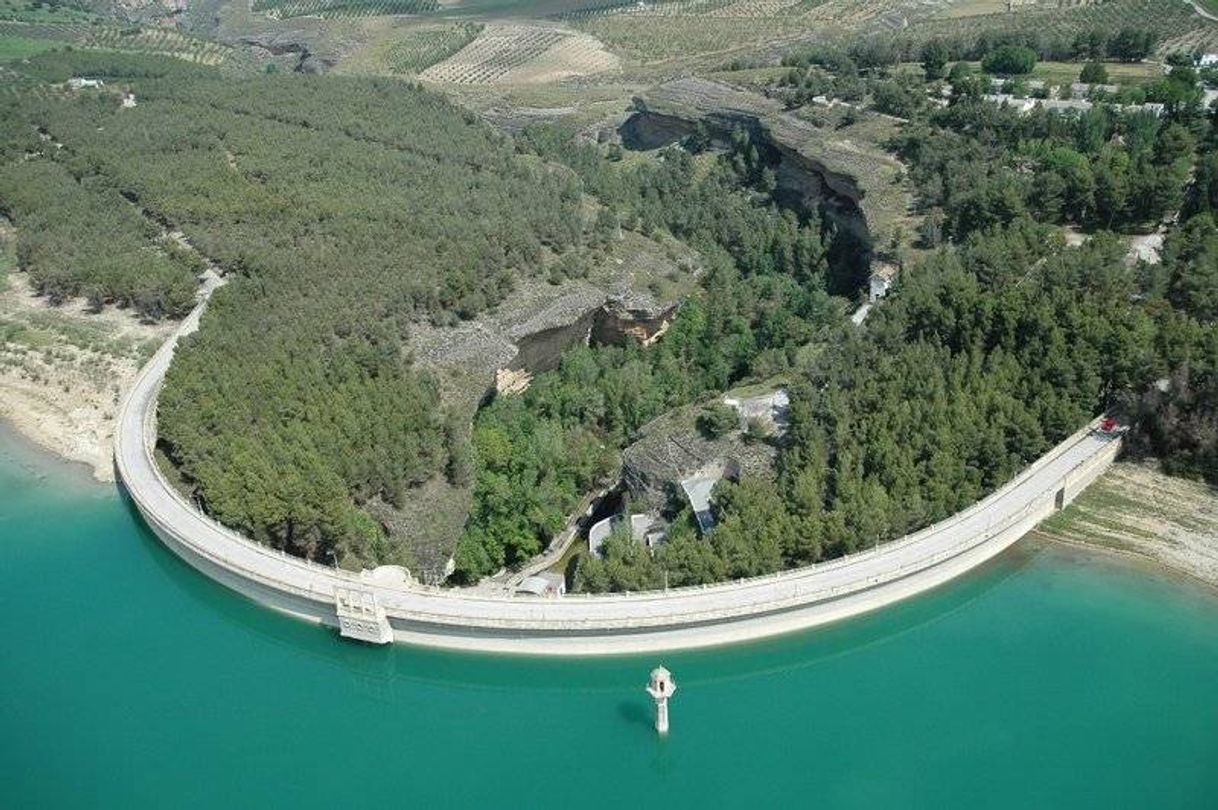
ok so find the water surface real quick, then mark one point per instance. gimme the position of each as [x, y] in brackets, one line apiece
[1047, 679]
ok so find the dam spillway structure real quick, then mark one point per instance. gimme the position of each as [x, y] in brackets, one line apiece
[661, 688]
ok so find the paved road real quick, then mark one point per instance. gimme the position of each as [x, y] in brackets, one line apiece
[679, 617]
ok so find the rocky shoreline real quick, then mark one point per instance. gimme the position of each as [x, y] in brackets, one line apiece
[1137, 511]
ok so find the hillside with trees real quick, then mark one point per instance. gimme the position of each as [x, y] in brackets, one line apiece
[763, 298]
[998, 344]
[349, 212]
[342, 211]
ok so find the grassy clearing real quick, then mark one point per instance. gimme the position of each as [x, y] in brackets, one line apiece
[971, 8]
[1122, 73]
[1118, 72]
[757, 78]
[12, 48]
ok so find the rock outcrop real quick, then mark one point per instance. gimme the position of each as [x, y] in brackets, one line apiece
[633, 294]
[857, 186]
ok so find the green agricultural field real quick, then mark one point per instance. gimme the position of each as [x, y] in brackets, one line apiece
[1118, 72]
[344, 8]
[419, 49]
[652, 39]
[22, 47]
[526, 8]
[28, 11]
[1122, 73]
[159, 41]
[1164, 19]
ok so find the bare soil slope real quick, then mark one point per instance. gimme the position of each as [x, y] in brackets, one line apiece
[1136, 509]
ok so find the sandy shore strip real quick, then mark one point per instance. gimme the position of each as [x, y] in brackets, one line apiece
[1138, 511]
[64, 370]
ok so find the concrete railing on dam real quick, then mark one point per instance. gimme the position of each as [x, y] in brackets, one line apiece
[366, 607]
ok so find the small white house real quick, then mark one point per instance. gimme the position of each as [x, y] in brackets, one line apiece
[128, 101]
[1208, 60]
[881, 280]
[79, 83]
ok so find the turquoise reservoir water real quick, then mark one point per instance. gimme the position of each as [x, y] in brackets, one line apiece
[1048, 679]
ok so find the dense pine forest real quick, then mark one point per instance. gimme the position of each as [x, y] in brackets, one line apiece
[342, 211]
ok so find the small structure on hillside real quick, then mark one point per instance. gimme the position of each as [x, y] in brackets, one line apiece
[860, 314]
[80, 83]
[661, 687]
[598, 533]
[772, 410]
[1023, 106]
[1085, 90]
[128, 101]
[547, 583]
[698, 489]
[361, 616]
[883, 276]
[648, 529]
[998, 85]
[662, 467]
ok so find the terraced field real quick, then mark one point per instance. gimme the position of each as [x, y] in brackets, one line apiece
[418, 49]
[667, 31]
[283, 9]
[1175, 21]
[519, 53]
[1203, 39]
[159, 41]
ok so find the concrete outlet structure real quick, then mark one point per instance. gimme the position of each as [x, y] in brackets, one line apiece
[661, 688]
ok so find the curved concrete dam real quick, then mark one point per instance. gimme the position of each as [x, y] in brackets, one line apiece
[380, 609]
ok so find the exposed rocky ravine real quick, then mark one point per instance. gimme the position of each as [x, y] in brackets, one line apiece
[857, 186]
[634, 292]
